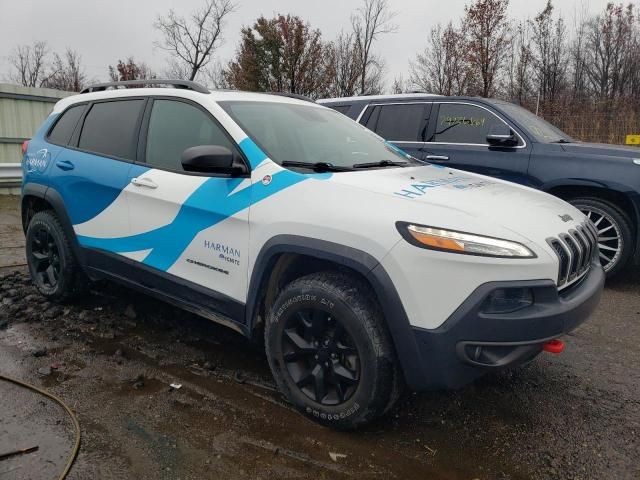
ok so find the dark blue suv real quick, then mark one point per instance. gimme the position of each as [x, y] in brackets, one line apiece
[503, 140]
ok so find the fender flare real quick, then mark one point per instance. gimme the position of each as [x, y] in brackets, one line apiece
[394, 313]
[53, 198]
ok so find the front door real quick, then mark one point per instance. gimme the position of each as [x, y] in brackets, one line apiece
[458, 138]
[184, 225]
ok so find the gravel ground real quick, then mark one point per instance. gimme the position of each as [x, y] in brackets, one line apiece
[115, 352]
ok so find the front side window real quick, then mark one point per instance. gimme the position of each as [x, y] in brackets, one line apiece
[175, 126]
[110, 129]
[462, 123]
[398, 123]
[309, 134]
[62, 131]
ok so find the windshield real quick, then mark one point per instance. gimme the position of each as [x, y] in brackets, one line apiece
[309, 134]
[540, 129]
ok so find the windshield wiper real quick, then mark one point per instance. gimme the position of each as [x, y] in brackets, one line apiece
[316, 166]
[562, 140]
[381, 163]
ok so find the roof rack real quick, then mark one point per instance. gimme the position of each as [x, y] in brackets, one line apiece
[183, 84]
[292, 95]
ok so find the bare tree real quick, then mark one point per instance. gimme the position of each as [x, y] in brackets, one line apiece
[372, 19]
[577, 55]
[29, 64]
[346, 65]
[609, 52]
[192, 42]
[520, 87]
[549, 53]
[216, 76]
[487, 29]
[442, 67]
[400, 85]
[66, 72]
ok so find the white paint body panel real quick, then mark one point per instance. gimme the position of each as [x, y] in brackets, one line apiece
[354, 209]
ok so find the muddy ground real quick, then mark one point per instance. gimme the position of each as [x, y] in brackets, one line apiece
[115, 353]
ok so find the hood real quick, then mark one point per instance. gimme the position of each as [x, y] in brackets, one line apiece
[464, 201]
[602, 149]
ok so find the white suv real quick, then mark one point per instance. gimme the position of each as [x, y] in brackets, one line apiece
[364, 269]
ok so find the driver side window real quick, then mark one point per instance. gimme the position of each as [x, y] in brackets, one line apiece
[175, 126]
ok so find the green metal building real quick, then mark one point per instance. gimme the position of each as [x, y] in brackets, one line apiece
[22, 111]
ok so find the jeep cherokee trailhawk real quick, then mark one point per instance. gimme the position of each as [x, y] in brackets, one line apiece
[364, 269]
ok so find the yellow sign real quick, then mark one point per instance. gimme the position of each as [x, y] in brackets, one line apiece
[633, 139]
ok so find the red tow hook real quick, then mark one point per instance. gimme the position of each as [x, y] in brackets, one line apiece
[553, 346]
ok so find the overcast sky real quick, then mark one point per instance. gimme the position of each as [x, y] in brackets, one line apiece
[105, 31]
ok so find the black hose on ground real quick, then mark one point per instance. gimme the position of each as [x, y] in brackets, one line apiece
[51, 396]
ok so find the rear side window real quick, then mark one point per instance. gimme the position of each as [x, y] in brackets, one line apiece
[340, 108]
[62, 131]
[110, 128]
[174, 127]
[461, 123]
[404, 122]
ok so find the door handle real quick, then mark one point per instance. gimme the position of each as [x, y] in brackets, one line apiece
[438, 158]
[65, 165]
[144, 182]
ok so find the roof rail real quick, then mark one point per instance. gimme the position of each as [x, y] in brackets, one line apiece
[292, 95]
[183, 84]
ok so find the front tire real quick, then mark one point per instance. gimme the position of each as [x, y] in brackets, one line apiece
[329, 350]
[615, 236]
[51, 262]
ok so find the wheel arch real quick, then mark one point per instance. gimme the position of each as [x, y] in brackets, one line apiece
[37, 197]
[286, 257]
[620, 195]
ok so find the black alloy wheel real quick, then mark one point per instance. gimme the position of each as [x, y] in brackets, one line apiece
[45, 258]
[329, 350]
[320, 356]
[52, 264]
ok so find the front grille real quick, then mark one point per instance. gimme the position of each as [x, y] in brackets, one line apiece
[575, 250]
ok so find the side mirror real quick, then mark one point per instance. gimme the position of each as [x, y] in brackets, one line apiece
[209, 159]
[501, 136]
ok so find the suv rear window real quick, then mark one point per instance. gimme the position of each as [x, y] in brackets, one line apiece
[110, 129]
[64, 127]
[397, 123]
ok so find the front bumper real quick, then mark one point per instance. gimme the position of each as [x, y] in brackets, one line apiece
[470, 342]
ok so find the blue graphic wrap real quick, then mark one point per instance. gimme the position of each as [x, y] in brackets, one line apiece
[397, 149]
[253, 153]
[169, 241]
[98, 187]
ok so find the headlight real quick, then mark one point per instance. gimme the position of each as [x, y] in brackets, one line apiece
[460, 242]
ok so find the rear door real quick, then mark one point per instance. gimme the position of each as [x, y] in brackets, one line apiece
[182, 223]
[91, 172]
[457, 138]
[403, 124]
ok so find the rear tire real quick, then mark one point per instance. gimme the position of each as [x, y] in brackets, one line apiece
[51, 262]
[615, 237]
[330, 352]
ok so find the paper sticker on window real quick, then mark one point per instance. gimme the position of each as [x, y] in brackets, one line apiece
[468, 121]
